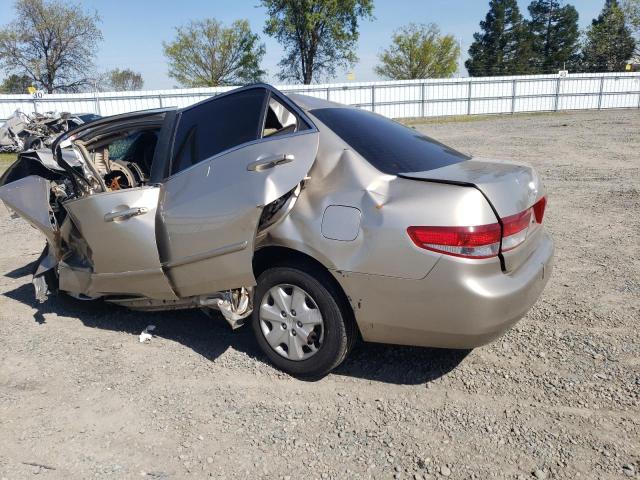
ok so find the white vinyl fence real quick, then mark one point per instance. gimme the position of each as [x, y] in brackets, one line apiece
[396, 99]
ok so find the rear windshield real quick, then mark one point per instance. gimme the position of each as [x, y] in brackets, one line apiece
[387, 145]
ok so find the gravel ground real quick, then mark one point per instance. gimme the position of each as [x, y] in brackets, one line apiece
[557, 397]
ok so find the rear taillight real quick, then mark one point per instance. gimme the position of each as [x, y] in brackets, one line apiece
[483, 241]
[538, 209]
[470, 242]
[514, 229]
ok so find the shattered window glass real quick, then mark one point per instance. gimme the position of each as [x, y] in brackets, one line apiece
[119, 147]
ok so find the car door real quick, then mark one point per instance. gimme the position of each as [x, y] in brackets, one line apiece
[224, 172]
[119, 226]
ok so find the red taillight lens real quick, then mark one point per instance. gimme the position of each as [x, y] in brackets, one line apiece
[470, 242]
[538, 209]
[481, 241]
[514, 229]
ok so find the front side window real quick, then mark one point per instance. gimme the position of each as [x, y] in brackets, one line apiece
[211, 127]
[136, 146]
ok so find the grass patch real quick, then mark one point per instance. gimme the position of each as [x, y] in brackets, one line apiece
[6, 159]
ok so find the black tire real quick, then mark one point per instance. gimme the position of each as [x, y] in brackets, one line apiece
[339, 328]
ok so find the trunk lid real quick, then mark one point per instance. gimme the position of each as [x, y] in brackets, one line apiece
[510, 188]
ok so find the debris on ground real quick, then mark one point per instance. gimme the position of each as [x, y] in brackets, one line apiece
[146, 334]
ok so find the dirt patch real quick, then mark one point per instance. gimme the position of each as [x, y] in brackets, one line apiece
[557, 397]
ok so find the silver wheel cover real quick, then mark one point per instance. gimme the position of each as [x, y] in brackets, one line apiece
[291, 322]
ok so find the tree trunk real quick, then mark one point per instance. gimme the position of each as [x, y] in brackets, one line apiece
[308, 74]
[49, 84]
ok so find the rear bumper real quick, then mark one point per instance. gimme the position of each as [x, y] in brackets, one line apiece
[459, 304]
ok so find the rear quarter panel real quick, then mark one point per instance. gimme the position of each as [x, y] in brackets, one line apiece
[388, 205]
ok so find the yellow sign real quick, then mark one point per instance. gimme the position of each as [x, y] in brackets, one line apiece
[351, 76]
[32, 90]
[628, 67]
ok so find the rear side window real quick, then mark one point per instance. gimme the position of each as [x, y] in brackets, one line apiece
[389, 146]
[211, 127]
[279, 120]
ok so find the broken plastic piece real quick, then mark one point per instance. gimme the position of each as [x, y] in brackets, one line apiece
[146, 334]
[40, 285]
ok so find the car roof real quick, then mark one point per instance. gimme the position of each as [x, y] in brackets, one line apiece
[307, 102]
[304, 102]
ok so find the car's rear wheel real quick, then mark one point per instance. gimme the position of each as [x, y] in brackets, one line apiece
[300, 321]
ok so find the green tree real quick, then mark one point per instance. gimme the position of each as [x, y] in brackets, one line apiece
[554, 35]
[503, 47]
[52, 42]
[205, 53]
[419, 51]
[631, 9]
[318, 36]
[609, 42]
[15, 84]
[125, 80]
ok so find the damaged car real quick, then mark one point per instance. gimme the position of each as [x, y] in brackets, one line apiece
[316, 223]
[22, 131]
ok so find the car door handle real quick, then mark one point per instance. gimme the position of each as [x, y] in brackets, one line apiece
[269, 162]
[125, 214]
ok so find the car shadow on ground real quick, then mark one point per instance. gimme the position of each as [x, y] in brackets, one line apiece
[20, 272]
[211, 337]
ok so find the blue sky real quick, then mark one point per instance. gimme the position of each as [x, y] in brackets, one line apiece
[135, 29]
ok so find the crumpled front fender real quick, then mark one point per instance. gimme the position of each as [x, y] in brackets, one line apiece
[29, 198]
